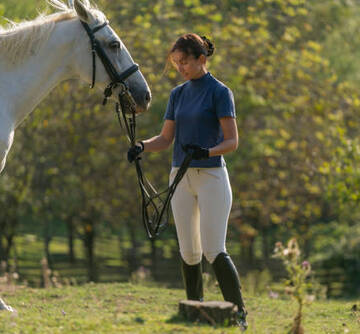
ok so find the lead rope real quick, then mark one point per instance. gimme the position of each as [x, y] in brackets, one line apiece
[155, 209]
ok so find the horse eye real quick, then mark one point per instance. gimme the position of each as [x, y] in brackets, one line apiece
[115, 45]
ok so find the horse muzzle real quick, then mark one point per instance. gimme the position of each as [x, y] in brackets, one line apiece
[142, 100]
[134, 101]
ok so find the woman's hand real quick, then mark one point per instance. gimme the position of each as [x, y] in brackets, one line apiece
[197, 152]
[135, 151]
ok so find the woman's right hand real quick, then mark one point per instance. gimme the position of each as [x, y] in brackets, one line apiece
[197, 152]
[135, 151]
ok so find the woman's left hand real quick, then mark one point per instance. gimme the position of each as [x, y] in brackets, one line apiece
[135, 151]
[198, 153]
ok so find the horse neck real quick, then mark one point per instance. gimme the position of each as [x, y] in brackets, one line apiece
[32, 81]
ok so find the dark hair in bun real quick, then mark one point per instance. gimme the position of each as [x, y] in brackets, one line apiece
[193, 44]
[209, 46]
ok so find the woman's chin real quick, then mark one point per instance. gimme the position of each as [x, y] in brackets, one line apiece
[185, 76]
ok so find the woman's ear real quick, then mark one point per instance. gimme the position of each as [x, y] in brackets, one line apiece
[202, 59]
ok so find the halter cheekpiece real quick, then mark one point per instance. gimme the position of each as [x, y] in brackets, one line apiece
[117, 79]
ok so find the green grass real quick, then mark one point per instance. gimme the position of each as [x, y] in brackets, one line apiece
[128, 308]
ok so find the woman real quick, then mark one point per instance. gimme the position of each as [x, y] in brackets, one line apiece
[200, 116]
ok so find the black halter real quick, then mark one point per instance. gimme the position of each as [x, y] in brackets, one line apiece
[116, 78]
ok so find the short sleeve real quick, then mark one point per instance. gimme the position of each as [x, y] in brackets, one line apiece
[224, 102]
[170, 114]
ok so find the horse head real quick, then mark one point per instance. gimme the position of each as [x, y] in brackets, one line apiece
[116, 55]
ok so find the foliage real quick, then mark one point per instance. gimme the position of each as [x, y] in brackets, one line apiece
[20, 10]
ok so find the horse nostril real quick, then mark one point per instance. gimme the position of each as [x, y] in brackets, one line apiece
[147, 97]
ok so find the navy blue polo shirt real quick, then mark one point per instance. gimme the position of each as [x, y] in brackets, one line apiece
[196, 107]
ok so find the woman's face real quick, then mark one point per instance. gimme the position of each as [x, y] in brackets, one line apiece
[189, 66]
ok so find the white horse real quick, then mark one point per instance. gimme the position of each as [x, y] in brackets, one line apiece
[36, 56]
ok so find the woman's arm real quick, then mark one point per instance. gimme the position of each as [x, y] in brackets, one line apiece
[230, 142]
[163, 140]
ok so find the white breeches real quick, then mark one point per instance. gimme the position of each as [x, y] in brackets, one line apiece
[201, 206]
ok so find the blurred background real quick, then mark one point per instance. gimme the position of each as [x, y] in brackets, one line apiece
[68, 194]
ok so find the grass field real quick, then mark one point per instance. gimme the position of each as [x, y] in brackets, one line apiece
[149, 308]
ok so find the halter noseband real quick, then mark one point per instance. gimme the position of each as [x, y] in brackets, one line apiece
[116, 77]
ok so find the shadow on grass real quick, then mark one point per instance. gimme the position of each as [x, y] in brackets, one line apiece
[179, 319]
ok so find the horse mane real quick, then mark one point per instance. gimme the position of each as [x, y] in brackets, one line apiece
[20, 40]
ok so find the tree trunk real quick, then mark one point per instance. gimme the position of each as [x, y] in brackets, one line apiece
[251, 255]
[71, 237]
[89, 243]
[132, 253]
[154, 259]
[2, 252]
[307, 241]
[47, 240]
[265, 243]
[9, 244]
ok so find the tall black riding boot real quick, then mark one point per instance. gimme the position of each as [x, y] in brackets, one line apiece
[192, 275]
[228, 278]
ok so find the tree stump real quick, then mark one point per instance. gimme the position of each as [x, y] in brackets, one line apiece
[212, 312]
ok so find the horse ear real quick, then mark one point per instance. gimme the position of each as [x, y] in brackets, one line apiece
[82, 11]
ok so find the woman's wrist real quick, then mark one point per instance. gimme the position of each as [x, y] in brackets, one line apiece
[211, 152]
[140, 145]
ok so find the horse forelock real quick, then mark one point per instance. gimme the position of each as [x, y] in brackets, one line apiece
[20, 40]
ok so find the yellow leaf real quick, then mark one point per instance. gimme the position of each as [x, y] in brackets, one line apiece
[284, 134]
[280, 143]
[242, 70]
[292, 146]
[319, 135]
[275, 218]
